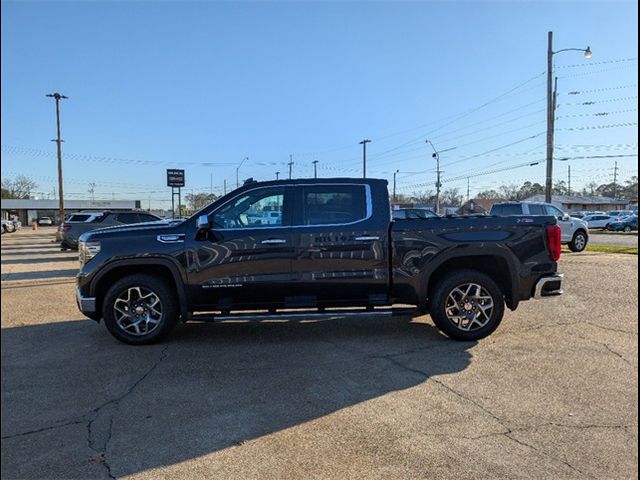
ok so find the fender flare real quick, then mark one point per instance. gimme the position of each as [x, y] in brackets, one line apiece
[512, 297]
[177, 273]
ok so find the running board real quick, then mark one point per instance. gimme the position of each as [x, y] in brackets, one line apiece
[306, 315]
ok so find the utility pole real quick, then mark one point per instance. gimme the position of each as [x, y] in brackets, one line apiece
[615, 180]
[467, 189]
[394, 184]
[57, 97]
[290, 165]
[569, 179]
[364, 157]
[225, 186]
[277, 175]
[211, 183]
[315, 168]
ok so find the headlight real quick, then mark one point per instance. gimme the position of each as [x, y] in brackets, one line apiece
[88, 250]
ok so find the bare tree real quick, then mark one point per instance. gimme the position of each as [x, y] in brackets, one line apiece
[19, 187]
[423, 197]
[452, 196]
[198, 200]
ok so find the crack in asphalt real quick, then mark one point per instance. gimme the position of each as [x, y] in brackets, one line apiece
[98, 441]
[43, 429]
[609, 349]
[99, 421]
[508, 430]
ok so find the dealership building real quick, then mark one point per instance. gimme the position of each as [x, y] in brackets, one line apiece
[29, 210]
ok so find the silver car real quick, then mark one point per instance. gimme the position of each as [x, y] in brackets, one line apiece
[575, 232]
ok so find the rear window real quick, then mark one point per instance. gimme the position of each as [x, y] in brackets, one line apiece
[333, 204]
[505, 210]
[79, 218]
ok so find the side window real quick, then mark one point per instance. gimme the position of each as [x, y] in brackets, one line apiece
[256, 209]
[551, 210]
[496, 210]
[335, 204]
[144, 217]
[128, 218]
[536, 209]
[511, 209]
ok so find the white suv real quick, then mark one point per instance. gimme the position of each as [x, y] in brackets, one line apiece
[574, 231]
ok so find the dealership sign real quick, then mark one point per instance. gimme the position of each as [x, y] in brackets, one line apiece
[175, 178]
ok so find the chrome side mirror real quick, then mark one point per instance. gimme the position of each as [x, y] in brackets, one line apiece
[203, 223]
[565, 217]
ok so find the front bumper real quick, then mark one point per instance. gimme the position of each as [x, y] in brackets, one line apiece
[87, 305]
[549, 286]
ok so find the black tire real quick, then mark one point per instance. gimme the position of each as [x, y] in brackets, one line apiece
[579, 242]
[626, 229]
[146, 283]
[446, 286]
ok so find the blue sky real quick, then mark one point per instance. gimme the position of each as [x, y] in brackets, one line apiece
[202, 85]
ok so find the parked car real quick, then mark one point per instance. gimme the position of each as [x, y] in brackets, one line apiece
[334, 246]
[45, 221]
[620, 214]
[626, 224]
[71, 231]
[598, 221]
[8, 226]
[574, 231]
[78, 217]
[412, 213]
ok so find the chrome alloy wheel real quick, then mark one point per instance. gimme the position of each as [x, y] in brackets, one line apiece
[469, 307]
[580, 241]
[137, 311]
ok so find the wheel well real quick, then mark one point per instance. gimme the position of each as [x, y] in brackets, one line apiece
[492, 265]
[580, 230]
[117, 273]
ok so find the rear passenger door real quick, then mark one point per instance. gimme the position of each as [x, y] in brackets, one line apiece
[340, 247]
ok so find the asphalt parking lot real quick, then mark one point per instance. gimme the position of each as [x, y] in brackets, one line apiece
[597, 237]
[551, 394]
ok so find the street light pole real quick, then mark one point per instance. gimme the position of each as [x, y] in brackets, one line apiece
[551, 104]
[436, 155]
[315, 168]
[394, 184]
[364, 157]
[277, 175]
[290, 166]
[238, 169]
[57, 97]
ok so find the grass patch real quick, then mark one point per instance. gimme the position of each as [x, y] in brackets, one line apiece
[607, 249]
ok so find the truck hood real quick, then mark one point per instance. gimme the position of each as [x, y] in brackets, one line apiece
[159, 226]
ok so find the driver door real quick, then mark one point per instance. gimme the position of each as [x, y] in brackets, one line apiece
[246, 260]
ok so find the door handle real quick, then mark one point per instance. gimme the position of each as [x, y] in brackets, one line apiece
[364, 239]
[273, 241]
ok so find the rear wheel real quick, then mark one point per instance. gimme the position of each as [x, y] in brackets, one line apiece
[140, 309]
[627, 229]
[578, 242]
[467, 305]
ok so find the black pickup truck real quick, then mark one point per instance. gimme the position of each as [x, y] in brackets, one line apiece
[300, 248]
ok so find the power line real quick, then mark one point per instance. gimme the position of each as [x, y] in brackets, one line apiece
[598, 127]
[603, 62]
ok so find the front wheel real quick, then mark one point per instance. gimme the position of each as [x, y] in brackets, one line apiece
[578, 242]
[140, 309]
[467, 305]
[626, 229]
